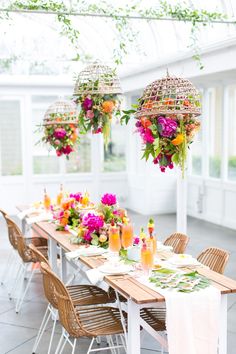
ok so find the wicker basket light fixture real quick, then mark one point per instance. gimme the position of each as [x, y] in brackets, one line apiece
[61, 112]
[169, 95]
[97, 78]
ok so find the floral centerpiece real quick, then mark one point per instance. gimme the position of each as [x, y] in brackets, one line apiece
[167, 121]
[60, 127]
[89, 227]
[97, 92]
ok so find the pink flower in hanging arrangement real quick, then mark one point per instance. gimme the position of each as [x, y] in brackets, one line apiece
[87, 104]
[67, 149]
[90, 114]
[164, 162]
[92, 222]
[59, 152]
[108, 199]
[59, 133]
[166, 126]
[99, 130]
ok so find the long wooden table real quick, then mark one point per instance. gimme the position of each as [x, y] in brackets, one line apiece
[138, 295]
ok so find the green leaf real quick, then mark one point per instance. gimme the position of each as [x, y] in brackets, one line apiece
[175, 158]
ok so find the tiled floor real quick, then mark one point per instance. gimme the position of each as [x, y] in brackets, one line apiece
[18, 331]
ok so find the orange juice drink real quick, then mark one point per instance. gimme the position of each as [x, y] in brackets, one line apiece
[153, 244]
[146, 257]
[127, 235]
[114, 239]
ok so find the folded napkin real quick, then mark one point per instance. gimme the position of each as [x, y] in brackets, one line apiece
[26, 212]
[42, 217]
[85, 252]
[95, 276]
[192, 319]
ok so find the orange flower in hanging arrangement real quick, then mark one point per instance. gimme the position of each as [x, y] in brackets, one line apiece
[178, 140]
[148, 105]
[145, 122]
[169, 101]
[108, 106]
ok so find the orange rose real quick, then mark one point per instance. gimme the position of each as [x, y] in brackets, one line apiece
[145, 122]
[73, 137]
[186, 103]
[108, 106]
[58, 119]
[63, 221]
[178, 140]
[66, 214]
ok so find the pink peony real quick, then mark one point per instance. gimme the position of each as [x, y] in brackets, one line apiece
[90, 114]
[108, 199]
[167, 127]
[92, 222]
[87, 104]
[59, 133]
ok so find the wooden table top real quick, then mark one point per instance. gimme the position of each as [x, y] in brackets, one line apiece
[127, 285]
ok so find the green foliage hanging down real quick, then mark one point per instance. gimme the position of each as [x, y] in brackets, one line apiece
[126, 35]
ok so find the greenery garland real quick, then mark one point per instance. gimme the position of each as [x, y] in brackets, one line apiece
[121, 18]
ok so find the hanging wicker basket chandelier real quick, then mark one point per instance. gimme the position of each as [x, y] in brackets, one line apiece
[169, 95]
[60, 127]
[61, 112]
[97, 78]
[167, 120]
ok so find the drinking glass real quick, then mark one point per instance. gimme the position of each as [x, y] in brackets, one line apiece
[127, 235]
[147, 258]
[114, 240]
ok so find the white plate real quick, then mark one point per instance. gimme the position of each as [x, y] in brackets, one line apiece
[119, 270]
[183, 260]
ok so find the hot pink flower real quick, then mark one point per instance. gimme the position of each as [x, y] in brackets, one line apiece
[92, 222]
[167, 127]
[136, 240]
[77, 196]
[59, 133]
[67, 149]
[87, 104]
[108, 199]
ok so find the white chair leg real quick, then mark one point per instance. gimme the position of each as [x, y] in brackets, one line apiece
[7, 267]
[65, 340]
[52, 334]
[117, 343]
[21, 298]
[18, 280]
[74, 345]
[90, 345]
[60, 342]
[42, 328]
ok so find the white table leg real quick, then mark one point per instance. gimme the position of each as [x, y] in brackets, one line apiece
[53, 254]
[133, 328]
[223, 325]
[63, 268]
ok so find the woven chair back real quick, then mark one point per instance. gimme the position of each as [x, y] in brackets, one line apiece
[13, 232]
[3, 212]
[69, 318]
[214, 258]
[178, 241]
[18, 241]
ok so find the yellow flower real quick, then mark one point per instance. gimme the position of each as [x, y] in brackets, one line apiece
[102, 238]
[178, 140]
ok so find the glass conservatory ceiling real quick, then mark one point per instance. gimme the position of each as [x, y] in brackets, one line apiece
[32, 42]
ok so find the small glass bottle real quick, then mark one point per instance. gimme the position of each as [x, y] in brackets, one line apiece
[46, 200]
[60, 196]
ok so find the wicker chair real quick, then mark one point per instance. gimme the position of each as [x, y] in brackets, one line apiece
[214, 258]
[81, 295]
[26, 257]
[178, 241]
[90, 321]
